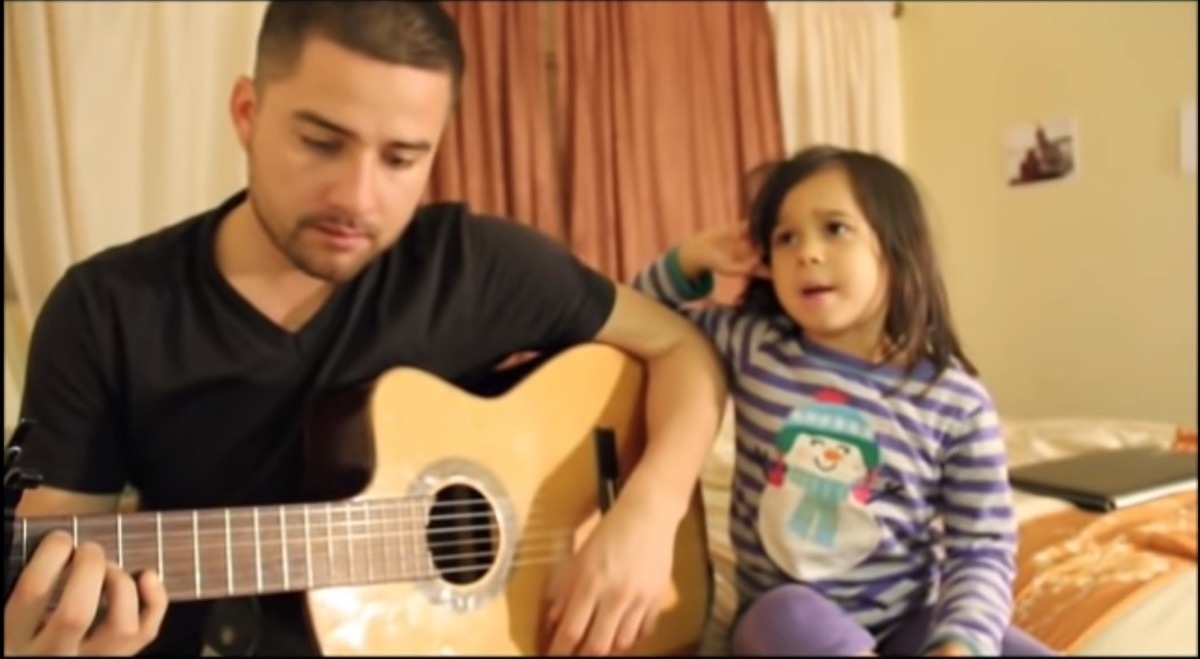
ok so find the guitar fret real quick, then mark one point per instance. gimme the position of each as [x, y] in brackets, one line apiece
[371, 539]
[284, 548]
[386, 539]
[415, 522]
[225, 541]
[173, 546]
[196, 548]
[402, 539]
[349, 542]
[257, 552]
[120, 540]
[162, 574]
[308, 549]
[406, 557]
[228, 556]
[329, 540]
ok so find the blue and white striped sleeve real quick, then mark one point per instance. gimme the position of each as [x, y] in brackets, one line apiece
[976, 601]
[664, 280]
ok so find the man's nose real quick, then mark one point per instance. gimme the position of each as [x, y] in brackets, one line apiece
[354, 189]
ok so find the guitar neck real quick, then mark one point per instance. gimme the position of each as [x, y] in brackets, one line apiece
[231, 552]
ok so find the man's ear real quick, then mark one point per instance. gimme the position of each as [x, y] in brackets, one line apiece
[242, 103]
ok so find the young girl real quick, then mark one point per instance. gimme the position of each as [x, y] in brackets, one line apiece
[871, 509]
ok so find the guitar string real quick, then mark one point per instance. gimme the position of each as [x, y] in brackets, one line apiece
[542, 555]
[545, 554]
[535, 531]
[531, 550]
[187, 591]
[134, 528]
[216, 548]
[533, 540]
[342, 509]
[338, 531]
[527, 553]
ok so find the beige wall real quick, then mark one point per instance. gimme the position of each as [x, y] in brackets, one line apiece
[1075, 297]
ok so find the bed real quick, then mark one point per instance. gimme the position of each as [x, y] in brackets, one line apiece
[1088, 585]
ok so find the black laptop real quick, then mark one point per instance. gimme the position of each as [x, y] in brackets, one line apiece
[1110, 479]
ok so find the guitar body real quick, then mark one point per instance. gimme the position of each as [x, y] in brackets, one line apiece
[527, 462]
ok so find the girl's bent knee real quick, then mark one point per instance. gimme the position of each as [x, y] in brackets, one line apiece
[798, 621]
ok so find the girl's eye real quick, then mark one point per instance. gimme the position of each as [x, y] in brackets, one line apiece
[837, 228]
[785, 238]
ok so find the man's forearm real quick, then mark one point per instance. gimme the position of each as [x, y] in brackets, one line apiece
[685, 401]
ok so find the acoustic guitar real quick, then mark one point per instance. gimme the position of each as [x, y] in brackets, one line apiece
[446, 513]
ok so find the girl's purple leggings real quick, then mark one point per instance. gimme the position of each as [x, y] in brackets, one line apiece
[795, 620]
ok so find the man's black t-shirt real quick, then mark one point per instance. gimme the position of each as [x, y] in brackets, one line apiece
[146, 367]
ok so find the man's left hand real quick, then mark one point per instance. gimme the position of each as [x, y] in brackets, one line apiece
[612, 590]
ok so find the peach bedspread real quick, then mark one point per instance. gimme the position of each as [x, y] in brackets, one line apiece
[1079, 570]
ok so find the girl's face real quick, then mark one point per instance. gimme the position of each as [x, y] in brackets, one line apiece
[827, 265]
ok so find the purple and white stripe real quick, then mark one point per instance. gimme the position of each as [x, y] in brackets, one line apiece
[948, 526]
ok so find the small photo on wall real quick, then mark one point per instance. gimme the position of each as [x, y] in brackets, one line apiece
[1041, 151]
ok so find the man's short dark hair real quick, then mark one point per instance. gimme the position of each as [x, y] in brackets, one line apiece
[417, 34]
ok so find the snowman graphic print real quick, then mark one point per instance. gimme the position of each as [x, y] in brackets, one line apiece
[813, 518]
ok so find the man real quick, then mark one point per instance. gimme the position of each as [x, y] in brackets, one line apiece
[181, 363]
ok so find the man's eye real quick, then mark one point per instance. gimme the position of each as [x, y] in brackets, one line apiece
[321, 146]
[397, 162]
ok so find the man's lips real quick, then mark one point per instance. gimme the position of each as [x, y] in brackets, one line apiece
[339, 232]
[340, 238]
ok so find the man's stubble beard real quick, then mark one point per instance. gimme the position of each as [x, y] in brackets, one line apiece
[289, 246]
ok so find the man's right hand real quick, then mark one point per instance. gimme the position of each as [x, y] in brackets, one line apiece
[134, 610]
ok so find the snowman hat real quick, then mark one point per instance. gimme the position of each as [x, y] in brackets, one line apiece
[831, 417]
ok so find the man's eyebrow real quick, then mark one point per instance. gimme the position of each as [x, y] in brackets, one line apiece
[310, 117]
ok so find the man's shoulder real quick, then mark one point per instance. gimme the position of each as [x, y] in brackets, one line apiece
[454, 232]
[456, 220]
[157, 258]
[149, 253]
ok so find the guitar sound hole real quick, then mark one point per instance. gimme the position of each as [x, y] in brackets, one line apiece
[462, 534]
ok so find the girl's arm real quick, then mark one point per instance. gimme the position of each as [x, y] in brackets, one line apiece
[664, 280]
[976, 601]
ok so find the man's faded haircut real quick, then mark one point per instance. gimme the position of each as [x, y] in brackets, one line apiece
[417, 34]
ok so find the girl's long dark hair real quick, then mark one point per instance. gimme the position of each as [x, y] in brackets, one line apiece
[917, 326]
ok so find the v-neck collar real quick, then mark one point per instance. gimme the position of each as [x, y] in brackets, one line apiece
[302, 339]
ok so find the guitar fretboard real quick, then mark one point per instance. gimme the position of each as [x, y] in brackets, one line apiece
[232, 552]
